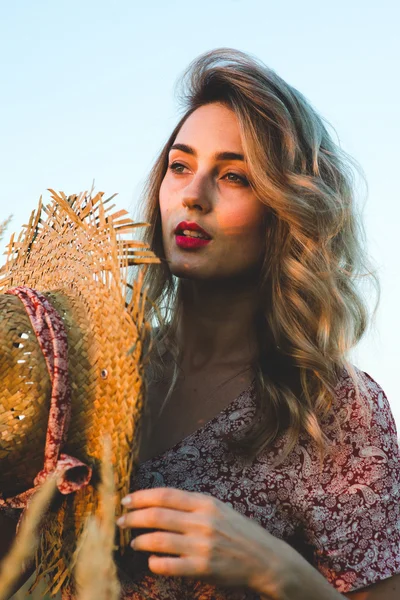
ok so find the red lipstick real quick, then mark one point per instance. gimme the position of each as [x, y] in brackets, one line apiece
[185, 240]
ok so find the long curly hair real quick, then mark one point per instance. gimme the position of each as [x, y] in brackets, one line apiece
[313, 312]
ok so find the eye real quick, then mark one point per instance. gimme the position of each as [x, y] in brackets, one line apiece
[175, 167]
[237, 178]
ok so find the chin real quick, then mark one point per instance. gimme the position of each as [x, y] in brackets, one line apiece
[190, 272]
[187, 265]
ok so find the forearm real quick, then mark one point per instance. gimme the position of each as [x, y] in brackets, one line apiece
[296, 579]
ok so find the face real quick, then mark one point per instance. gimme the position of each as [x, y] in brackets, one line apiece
[207, 184]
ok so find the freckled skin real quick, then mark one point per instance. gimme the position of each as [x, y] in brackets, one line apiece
[201, 191]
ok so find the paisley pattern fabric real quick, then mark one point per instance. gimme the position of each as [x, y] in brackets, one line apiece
[343, 516]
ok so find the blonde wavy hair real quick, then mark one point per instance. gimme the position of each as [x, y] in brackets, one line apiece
[313, 313]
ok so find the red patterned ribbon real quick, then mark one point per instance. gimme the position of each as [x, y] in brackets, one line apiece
[49, 329]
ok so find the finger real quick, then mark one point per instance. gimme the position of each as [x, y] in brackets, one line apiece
[178, 567]
[158, 518]
[170, 498]
[159, 541]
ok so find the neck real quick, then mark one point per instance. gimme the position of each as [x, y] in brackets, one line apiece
[217, 323]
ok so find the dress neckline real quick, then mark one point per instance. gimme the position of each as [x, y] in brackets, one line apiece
[227, 408]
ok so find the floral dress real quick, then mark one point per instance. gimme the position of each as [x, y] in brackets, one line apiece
[344, 518]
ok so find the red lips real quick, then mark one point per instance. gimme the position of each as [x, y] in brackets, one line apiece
[187, 242]
[190, 225]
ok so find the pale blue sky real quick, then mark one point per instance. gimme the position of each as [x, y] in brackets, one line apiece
[87, 93]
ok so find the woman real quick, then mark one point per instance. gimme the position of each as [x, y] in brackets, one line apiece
[269, 466]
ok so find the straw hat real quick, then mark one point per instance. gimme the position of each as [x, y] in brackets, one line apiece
[68, 271]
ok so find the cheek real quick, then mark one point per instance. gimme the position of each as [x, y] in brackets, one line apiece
[242, 222]
[169, 204]
[166, 209]
[162, 198]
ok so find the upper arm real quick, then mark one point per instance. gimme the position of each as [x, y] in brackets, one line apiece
[388, 589]
[353, 522]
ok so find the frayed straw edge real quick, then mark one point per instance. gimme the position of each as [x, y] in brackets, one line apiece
[95, 572]
[26, 540]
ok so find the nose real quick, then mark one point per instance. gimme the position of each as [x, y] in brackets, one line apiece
[197, 195]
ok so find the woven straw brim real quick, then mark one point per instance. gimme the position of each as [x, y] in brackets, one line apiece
[25, 398]
[78, 255]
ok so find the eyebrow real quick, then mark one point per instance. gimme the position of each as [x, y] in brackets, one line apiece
[217, 156]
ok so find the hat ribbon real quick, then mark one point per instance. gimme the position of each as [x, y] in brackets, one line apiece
[71, 474]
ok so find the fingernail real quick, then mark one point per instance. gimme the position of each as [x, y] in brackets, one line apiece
[126, 500]
[121, 520]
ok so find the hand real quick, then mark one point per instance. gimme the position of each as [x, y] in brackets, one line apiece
[211, 540]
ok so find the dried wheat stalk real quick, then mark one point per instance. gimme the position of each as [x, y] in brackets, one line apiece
[3, 226]
[26, 540]
[96, 573]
